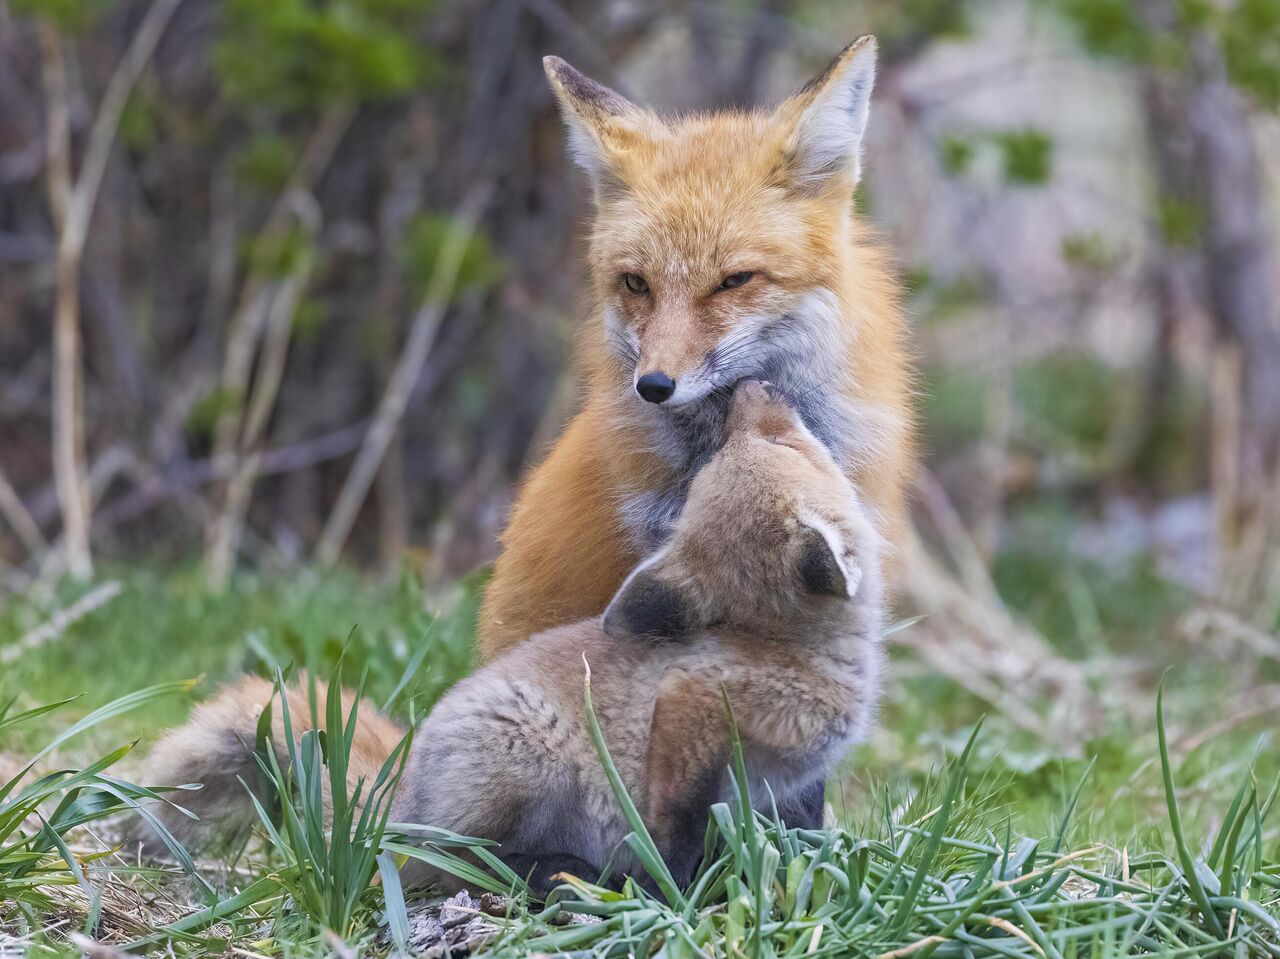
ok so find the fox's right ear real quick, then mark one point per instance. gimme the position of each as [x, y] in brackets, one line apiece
[649, 605]
[829, 117]
[602, 123]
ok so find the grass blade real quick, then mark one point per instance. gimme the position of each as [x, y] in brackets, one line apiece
[643, 845]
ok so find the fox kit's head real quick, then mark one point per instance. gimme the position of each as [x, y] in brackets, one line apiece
[718, 238]
[772, 534]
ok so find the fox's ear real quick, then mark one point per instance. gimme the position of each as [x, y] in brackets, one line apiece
[830, 117]
[651, 605]
[821, 565]
[602, 123]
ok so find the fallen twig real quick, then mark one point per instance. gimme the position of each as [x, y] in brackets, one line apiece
[58, 623]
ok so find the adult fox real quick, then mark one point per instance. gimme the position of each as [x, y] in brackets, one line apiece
[769, 590]
[723, 247]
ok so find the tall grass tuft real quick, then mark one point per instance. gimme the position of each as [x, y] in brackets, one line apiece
[332, 838]
[767, 890]
[329, 838]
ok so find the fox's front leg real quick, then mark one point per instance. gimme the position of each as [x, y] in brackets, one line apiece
[685, 768]
[564, 549]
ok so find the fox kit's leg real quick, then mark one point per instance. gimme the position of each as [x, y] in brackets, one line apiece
[565, 551]
[687, 756]
[805, 809]
[541, 869]
[689, 751]
[497, 759]
[689, 746]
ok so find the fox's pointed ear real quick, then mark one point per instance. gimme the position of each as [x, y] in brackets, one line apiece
[602, 123]
[821, 565]
[830, 117]
[652, 605]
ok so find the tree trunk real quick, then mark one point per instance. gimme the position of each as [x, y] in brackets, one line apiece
[1240, 280]
[68, 400]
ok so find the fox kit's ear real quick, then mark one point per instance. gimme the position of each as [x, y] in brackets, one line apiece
[602, 123]
[821, 563]
[651, 605]
[830, 117]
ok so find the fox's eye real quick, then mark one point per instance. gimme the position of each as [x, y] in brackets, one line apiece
[735, 280]
[635, 283]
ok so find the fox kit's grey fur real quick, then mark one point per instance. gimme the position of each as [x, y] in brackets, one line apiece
[769, 590]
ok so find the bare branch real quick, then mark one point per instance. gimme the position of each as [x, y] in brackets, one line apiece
[246, 323]
[413, 357]
[72, 203]
[21, 521]
[58, 623]
[284, 304]
[107, 122]
[68, 413]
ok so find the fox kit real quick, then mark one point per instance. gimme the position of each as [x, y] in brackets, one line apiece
[770, 588]
[723, 247]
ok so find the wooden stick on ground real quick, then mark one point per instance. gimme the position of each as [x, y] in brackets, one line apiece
[58, 623]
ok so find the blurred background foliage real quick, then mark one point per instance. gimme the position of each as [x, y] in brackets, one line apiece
[1081, 195]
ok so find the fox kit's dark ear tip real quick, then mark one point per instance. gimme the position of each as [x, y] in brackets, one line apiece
[646, 606]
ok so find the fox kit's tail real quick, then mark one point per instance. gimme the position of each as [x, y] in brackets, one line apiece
[216, 748]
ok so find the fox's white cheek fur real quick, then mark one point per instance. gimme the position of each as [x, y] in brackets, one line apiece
[614, 324]
[742, 353]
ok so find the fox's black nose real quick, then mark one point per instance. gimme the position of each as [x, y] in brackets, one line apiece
[656, 387]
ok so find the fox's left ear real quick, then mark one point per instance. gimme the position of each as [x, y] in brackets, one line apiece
[652, 604]
[830, 117]
[603, 124]
[821, 562]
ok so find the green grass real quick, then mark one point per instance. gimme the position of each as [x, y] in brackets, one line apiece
[169, 626]
[990, 841]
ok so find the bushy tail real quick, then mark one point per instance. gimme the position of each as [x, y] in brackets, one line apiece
[216, 748]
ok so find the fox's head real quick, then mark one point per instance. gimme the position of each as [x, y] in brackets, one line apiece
[772, 533]
[718, 238]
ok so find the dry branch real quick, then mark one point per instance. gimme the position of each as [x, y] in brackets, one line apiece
[68, 411]
[247, 325]
[229, 523]
[19, 519]
[417, 347]
[58, 623]
[975, 641]
[72, 202]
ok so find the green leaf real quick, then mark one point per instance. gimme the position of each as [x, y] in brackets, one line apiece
[425, 239]
[1028, 156]
[640, 841]
[1189, 872]
[955, 153]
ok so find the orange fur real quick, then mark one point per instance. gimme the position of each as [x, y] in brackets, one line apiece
[684, 203]
[215, 748]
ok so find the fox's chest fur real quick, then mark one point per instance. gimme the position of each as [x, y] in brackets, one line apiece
[853, 429]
